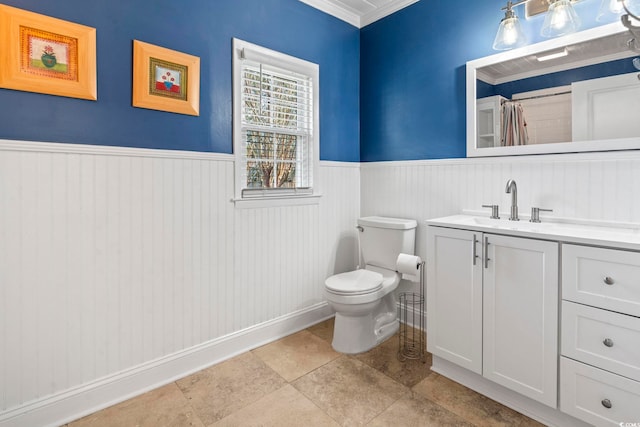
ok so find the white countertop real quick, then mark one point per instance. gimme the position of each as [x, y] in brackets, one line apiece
[624, 236]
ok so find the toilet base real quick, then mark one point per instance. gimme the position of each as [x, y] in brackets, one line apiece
[357, 334]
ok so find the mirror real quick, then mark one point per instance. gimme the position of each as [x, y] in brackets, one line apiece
[586, 98]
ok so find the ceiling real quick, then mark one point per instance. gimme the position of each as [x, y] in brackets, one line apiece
[588, 52]
[359, 12]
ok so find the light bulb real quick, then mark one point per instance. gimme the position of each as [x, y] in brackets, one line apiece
[561, 19]
[510, 35]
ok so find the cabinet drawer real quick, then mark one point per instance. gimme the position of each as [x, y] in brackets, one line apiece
[596, 396]
[602, 338]
[605, 278]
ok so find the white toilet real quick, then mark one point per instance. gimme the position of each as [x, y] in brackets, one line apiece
[364, 301]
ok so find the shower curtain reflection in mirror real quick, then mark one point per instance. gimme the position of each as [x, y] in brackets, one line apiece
[514, 125]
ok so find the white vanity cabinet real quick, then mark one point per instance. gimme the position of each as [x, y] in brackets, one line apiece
[600, 347]
[541, 317]
[492, 307]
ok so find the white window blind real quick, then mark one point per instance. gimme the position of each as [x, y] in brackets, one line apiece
[276, 146]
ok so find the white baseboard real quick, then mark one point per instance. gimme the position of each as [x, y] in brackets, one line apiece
[75, 403]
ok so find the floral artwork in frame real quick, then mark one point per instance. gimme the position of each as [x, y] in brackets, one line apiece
[165, 79]
[168, 79]
[46, 55]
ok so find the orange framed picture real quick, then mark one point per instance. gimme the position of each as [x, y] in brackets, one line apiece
[46, 55]
[165, 80]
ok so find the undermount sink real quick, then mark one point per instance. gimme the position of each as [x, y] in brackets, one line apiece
[512, 225]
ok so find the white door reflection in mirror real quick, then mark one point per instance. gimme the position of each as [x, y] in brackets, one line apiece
[606, 108]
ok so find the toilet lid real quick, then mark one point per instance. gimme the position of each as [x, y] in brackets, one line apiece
[354, 282]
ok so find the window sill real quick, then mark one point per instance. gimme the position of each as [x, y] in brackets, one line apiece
[270, 202]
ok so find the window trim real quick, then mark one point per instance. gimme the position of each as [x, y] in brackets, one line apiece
[245, 50]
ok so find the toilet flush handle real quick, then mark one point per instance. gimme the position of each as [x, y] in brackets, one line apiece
[361, 230]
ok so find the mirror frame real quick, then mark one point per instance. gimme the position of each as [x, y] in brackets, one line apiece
[561, 147]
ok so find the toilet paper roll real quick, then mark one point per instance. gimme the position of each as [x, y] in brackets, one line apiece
[409, 267]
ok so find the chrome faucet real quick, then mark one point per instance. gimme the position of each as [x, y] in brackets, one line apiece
[513, 189]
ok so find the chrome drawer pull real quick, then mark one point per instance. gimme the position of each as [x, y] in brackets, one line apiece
[606, 403]
[608, 342]
[475, 254]
[486, 252]
[608, 280]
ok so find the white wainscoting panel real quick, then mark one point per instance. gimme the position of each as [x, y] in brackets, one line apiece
[113, 258]
[591, 186]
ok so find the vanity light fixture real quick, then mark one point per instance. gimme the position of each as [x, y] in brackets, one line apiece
[632, 7]
[631, 20]
[617, 7]
[560, 19]
[609, 9]
[510, 33]
[547, 56]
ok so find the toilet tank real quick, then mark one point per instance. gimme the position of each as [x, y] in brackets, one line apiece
[382, 239]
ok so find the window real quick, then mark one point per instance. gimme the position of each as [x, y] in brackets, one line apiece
[275, 124]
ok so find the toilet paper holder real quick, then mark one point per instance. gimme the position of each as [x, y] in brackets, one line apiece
[411, 314]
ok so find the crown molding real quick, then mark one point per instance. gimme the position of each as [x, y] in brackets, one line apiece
[334, 8]
[371, 17]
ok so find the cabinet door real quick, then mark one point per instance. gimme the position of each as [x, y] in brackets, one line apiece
[521, 316]
[454, 296]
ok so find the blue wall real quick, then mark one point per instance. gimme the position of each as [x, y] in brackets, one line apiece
[393, 91]
[199, 27]
[412, 81]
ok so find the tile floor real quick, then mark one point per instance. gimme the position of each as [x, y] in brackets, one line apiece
[300, 381]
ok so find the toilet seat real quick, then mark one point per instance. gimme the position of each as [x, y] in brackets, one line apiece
[357, 282]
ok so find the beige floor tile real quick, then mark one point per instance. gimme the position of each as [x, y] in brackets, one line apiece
[417, 411]
[326, 388]
[350, 391]
[220, 390]
[468, 404]
[283, 408]
[296, 355]
[385, 359]
[323, 329]
[162, 407]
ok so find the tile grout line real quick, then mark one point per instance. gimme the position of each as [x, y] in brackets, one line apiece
[191, 408]
[400, 380]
